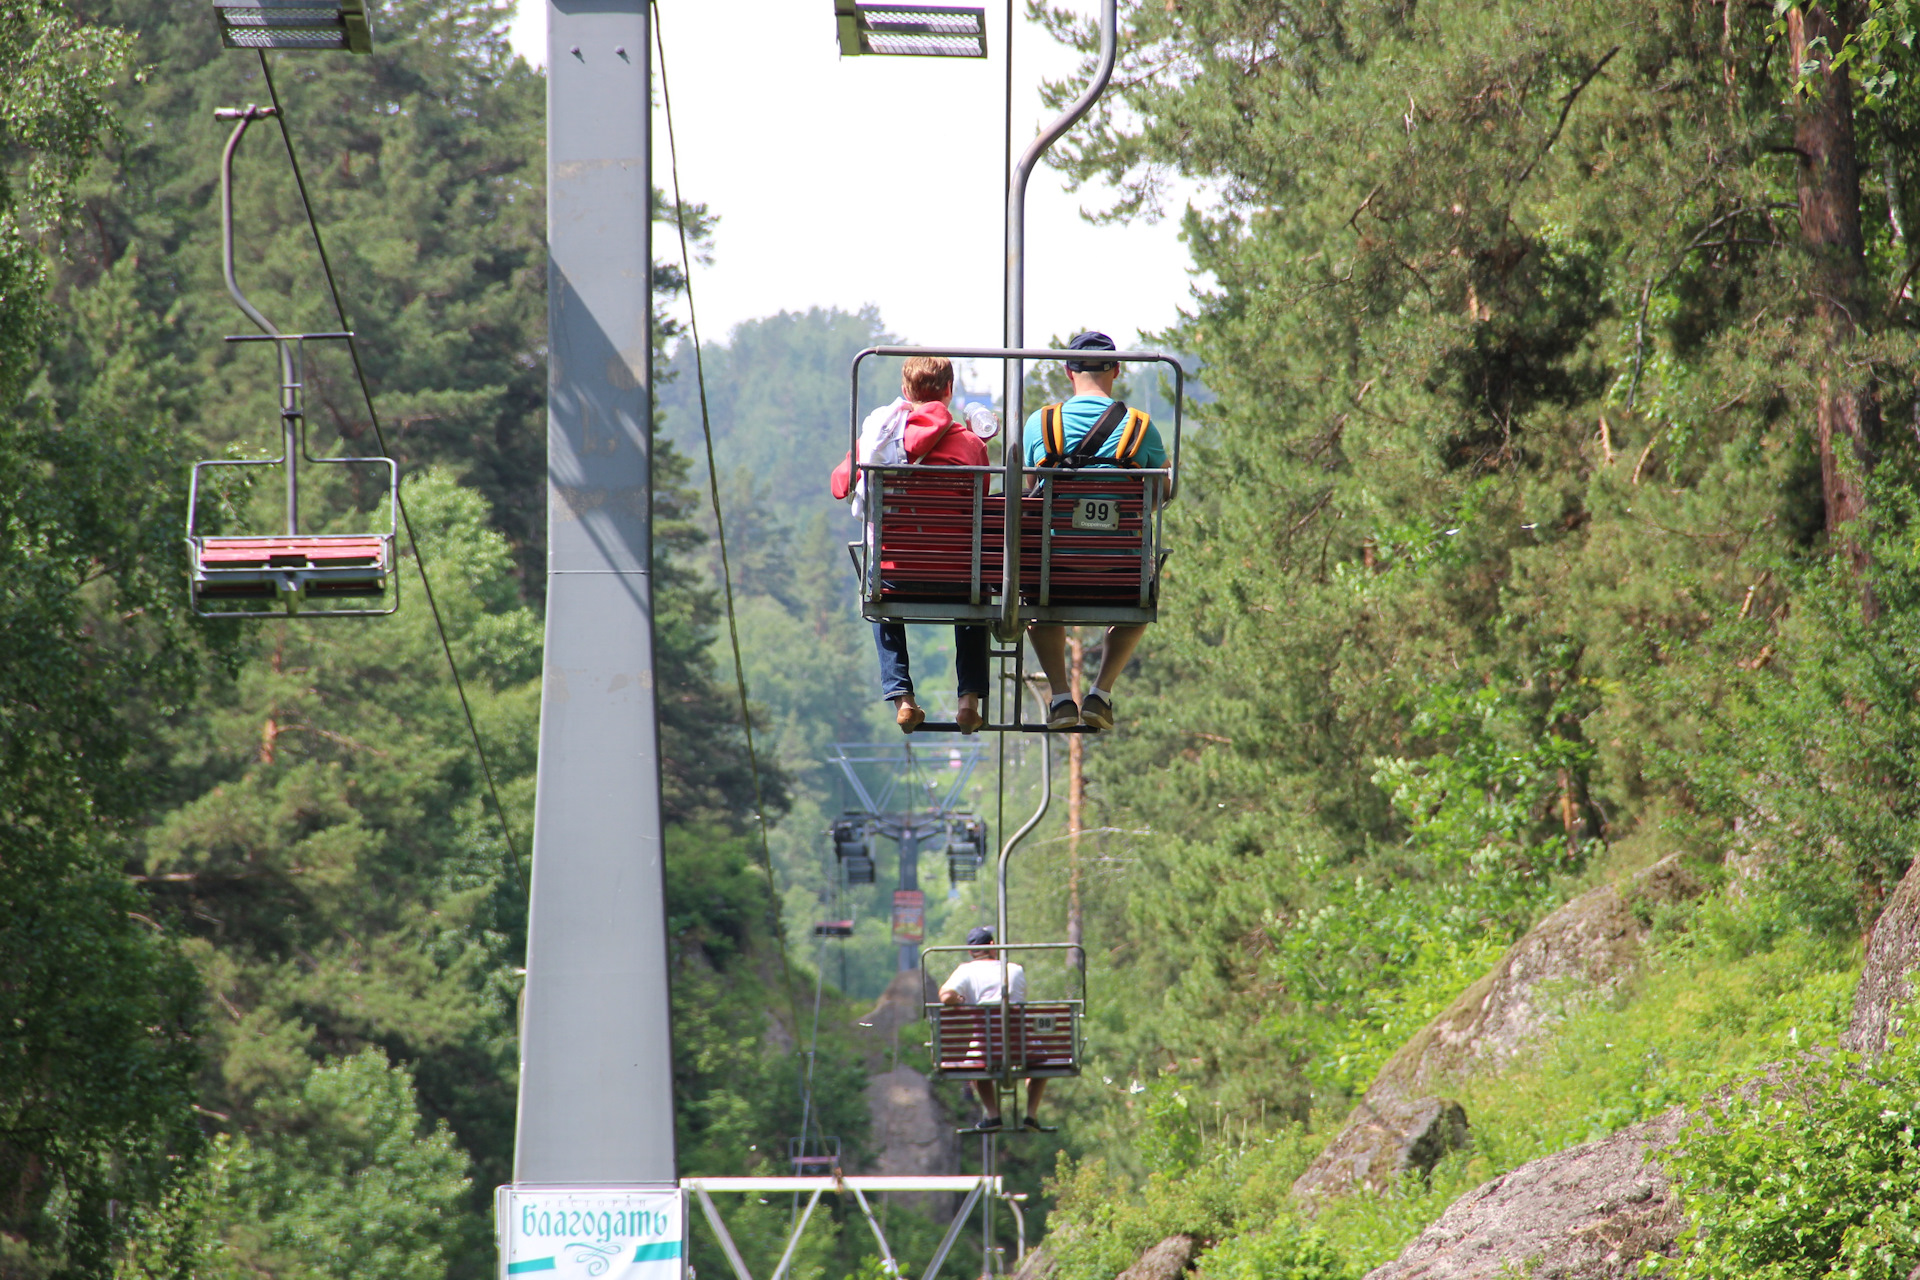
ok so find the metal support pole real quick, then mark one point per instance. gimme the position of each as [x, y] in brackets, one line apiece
[1016, 318]
[909, 879]
[596, 1080]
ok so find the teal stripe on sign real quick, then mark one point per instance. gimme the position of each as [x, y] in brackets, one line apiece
[657, 1252]
[531, 1264]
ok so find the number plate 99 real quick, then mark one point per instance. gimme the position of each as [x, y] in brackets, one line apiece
[1096, 513]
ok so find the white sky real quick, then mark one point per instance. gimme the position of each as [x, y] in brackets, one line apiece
[830, 176]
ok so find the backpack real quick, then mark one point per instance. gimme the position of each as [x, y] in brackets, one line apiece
[1053, 433]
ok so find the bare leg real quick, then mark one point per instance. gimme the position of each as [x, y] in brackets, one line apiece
[970, 702]
[1050, 646]
[989, 1097]
[1121, 642]
[1034, 1089]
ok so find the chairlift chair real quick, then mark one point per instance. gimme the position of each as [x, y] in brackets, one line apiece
[1006, 1041]
[814, 1157]
[853, 848]
[1090, 547]
[308, 575]
[966, 848]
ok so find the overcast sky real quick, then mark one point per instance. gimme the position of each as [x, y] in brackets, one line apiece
[842, 182]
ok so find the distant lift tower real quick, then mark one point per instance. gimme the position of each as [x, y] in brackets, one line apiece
[899, 770]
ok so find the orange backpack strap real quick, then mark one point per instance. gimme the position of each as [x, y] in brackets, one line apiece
[1053, 433]
[1132, 436]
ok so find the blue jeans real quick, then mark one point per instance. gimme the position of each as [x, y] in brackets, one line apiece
[896, 676]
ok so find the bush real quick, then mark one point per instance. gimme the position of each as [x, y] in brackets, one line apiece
[1286, 1252]
[1815, 1173]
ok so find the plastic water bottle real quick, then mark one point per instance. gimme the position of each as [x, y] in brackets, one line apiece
[983, 421]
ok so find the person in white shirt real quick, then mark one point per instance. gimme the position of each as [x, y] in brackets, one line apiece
[977, 982]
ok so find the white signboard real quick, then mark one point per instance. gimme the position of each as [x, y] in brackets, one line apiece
[588, 1233]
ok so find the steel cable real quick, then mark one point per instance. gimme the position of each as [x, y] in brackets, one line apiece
[373, 415]
[726, 582]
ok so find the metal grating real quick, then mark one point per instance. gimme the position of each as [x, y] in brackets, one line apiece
[911, 30]
[294, 24]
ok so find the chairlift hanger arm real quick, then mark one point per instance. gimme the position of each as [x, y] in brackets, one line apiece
[245, 116]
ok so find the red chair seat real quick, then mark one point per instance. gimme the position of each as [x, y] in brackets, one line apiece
[292, 553]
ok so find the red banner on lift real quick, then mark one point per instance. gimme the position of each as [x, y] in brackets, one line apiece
[909, 915]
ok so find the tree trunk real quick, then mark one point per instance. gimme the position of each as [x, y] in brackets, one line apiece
[1846, 418]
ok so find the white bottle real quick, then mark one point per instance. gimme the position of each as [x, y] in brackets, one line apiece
[983, 421]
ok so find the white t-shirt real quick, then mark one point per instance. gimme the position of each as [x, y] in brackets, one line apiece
[978, 982]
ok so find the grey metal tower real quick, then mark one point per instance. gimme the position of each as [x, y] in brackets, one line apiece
[596, 1078]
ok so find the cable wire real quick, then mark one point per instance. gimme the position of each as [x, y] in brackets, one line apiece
[726, 567]
[379, 436]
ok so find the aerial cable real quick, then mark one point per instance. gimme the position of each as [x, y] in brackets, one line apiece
[726, 567]
[366, 392]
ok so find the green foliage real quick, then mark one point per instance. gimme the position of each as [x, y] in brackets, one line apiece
[340, 1179]
[1476, 804]
[100, 1013]
[1814, 1171]
[1286, 1252]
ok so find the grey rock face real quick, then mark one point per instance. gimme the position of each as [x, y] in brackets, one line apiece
[1037, 1265]
[912, 1134]
[1381, 1142]
[1584, 950]
[1590, 1212]
[1167, 1260]
[1893, 953]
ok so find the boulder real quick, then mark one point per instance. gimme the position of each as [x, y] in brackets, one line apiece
[1167, 1260]
[1590, 1212]
[1586, 949]
[1893, 952]
[912, 1135]
[1380, 1143]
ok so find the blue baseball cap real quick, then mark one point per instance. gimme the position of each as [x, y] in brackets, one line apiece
[979, 935]
[1091, 340]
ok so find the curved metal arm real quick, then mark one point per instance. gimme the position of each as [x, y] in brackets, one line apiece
[1016, 318]
[245, 115]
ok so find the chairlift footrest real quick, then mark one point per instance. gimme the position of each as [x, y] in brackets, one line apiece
[949, 726]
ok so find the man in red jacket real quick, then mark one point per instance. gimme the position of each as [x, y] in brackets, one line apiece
[917, 429]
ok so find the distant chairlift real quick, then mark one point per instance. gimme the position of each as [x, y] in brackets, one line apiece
[306, 575]
[966, 848]
[853, 848]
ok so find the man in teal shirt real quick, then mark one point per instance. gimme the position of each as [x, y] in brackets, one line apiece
[1092, 394]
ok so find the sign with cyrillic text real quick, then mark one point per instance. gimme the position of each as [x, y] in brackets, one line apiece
[585, 1233]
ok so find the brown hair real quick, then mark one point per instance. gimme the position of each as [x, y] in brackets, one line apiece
[927, 377]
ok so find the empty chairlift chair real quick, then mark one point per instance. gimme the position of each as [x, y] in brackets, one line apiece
[966, 848]
[853, 849]
[308, 574]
